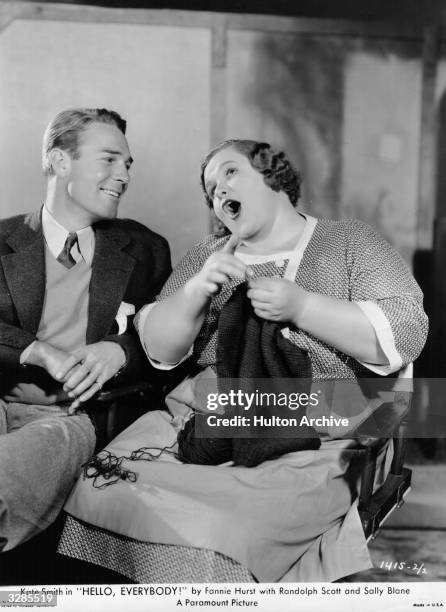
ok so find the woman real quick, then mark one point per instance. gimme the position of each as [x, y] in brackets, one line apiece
[337, 291]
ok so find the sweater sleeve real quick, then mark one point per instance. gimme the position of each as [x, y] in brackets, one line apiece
[384, 288]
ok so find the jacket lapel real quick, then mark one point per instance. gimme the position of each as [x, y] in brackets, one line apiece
[24, 271]
[112, 268]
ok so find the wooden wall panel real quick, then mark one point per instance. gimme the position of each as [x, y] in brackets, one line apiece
[187, 79]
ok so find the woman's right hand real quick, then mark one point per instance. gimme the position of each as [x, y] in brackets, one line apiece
[217, 270]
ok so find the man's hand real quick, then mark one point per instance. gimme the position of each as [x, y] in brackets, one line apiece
[277, 299]
[88, 368]
[217, 270]
[47, 357]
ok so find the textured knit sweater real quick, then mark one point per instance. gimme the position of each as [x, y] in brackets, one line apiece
[343, 259]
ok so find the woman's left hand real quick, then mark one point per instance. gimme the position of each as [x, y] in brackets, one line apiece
[277, 299]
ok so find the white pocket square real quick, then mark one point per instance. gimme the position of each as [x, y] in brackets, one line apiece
[124, 311]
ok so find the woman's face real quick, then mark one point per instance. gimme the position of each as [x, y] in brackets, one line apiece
[241, 199]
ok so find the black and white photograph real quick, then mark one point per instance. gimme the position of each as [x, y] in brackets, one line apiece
[222, 304]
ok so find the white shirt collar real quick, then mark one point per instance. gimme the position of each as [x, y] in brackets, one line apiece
[55, 235]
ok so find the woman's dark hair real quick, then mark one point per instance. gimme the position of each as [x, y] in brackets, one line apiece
[277, 171]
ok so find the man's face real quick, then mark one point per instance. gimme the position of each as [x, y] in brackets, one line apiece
[96, 181]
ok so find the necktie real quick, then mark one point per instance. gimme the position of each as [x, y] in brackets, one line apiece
[65, 257]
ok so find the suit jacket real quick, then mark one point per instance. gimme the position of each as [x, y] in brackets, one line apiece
[130, 264]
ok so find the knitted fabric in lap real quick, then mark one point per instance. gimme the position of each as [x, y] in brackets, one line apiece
[251, 348]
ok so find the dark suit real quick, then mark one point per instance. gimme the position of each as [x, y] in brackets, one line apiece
[130, 264]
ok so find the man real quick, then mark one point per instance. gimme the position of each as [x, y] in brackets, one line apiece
[71, 274]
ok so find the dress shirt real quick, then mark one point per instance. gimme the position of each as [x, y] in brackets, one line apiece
[55, 236]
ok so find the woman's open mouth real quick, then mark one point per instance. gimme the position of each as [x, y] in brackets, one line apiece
[231, 208]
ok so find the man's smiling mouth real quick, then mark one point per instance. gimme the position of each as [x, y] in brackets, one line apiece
[232, 208]
[111, 192]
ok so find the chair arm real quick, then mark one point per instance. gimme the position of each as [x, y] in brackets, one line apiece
[388, 422]
[382, 424]
[385, 423]
[109, 395]
[114, 409]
